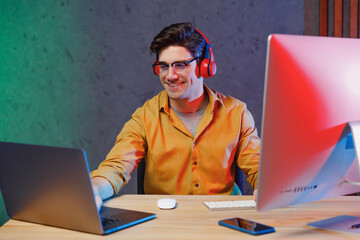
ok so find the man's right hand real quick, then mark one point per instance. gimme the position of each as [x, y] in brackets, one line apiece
[102, 190]
[98, 200]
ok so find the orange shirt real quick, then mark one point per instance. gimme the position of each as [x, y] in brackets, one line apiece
[177, 162]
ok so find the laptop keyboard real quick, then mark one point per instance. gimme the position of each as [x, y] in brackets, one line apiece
[107, 221]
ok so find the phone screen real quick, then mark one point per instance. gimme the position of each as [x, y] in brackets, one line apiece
[246, 226]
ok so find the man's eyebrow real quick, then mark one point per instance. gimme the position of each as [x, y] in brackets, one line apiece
[162, 62]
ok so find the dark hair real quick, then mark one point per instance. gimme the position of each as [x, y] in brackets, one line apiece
[179, 34]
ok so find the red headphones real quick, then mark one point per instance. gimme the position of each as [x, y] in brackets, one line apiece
[206, 67]
[207, 64]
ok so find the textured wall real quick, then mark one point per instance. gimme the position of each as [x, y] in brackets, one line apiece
[73, 72]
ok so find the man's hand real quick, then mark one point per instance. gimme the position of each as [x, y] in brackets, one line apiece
[255, 194]
[102, 190]
[98, 200]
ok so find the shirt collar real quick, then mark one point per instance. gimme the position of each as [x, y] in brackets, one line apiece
[213, 97]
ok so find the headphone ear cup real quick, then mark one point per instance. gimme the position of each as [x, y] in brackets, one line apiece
[197, 70]
[204, 65]
[156, 70]
[212, 68]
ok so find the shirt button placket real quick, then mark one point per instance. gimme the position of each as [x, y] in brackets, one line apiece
[194, 154]
[195, 163]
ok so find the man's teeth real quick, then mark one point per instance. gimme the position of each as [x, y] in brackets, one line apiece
[173, 84]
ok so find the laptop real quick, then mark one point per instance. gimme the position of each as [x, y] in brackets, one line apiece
[52, 186]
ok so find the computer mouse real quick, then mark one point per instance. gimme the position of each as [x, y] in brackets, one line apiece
[166, 203]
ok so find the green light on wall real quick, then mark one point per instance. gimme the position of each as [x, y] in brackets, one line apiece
[44, 48]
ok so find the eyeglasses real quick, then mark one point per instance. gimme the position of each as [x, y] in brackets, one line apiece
[178, 67]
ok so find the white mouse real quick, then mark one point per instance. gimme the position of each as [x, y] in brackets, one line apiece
[166, 203]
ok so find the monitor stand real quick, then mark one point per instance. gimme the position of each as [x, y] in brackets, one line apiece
[355, 130]
[345, 223]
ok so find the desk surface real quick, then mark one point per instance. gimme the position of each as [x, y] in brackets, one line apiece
[192, 220]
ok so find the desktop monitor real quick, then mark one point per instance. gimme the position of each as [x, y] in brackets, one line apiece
[311, 117]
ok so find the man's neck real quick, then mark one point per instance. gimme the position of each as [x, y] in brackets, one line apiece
[186, 106]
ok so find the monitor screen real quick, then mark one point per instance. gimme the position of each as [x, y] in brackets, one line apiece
[312, 92]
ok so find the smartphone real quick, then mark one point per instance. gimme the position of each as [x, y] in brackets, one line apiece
[246, 226]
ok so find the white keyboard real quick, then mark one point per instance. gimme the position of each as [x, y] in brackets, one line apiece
[230, 205]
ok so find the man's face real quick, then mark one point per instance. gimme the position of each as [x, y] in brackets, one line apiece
[184, 84]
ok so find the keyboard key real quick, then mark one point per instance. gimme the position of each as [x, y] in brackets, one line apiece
[107, 221]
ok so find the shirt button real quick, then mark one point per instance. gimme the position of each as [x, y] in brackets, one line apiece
[197, 185]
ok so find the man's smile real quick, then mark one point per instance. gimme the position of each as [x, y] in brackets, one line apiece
[174, 84]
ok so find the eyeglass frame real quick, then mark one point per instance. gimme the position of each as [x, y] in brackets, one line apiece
[157, 63]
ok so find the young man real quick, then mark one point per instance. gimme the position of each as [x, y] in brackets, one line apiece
[190, 136]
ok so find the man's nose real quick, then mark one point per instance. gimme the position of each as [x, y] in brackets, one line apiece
[172, 73]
